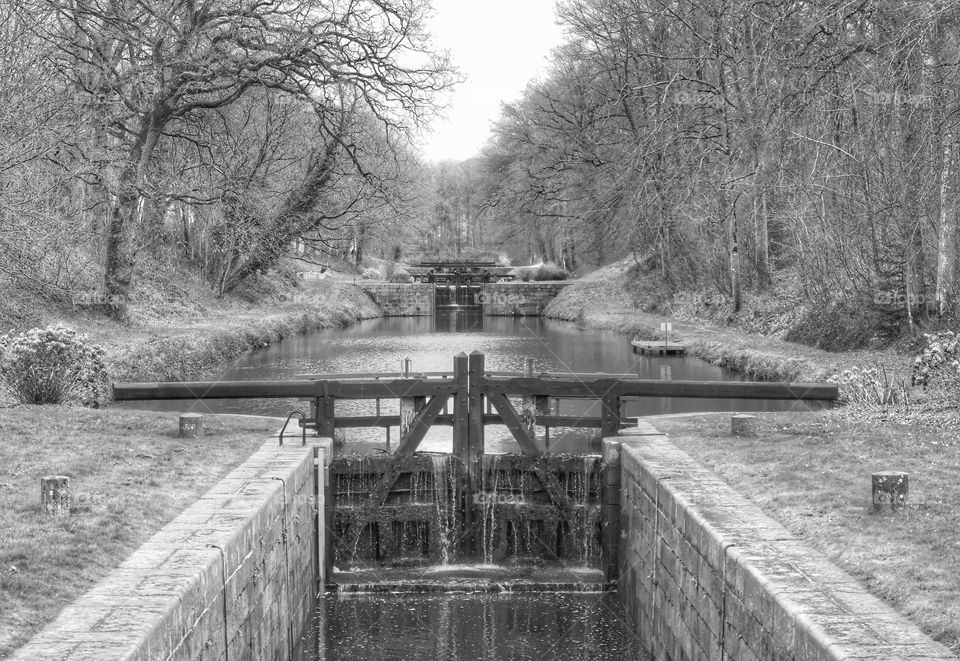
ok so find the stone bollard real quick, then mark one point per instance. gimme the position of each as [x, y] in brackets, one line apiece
[55, 495]
[890, 490]
[743, 425]
[191, 425]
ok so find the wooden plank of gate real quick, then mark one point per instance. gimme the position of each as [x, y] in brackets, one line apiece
[513, 422]
[461, 403]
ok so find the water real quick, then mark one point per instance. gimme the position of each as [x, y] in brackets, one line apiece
[465, 625]
[379, 345]
[482, 626]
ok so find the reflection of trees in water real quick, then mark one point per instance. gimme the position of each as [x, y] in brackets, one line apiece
[473, 626]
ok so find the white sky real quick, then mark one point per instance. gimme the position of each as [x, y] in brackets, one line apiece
[499, 45]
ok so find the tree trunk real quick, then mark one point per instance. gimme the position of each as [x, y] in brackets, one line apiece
[763, 244]
[729, 216]
[946, 233]
[292, 220]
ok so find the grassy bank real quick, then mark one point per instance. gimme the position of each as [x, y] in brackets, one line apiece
[130, 474]
[811, 472]
[609, 299]
[182, 347]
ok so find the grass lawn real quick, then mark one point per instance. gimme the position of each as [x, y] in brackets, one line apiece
[129, 475]
[812, 472]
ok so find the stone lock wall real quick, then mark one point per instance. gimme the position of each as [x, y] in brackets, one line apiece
[402, 300]
[233, 577]
[523, 299]
[704, 574]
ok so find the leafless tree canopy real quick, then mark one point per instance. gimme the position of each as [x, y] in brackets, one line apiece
[734, 145]
[218, 131]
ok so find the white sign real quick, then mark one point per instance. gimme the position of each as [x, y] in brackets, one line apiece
[666, 326]
[495, 498]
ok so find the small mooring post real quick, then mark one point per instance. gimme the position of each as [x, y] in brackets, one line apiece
[890, 490]
[744, 425]
[55, 495]
[191, 425]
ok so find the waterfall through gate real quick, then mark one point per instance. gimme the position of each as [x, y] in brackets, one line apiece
[413, 511]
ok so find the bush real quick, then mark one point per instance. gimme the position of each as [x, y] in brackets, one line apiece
[539, 273]
[871, 388]
[52, 365]
[937, 368]
[370, 273]
[549, 272]
[840, 326]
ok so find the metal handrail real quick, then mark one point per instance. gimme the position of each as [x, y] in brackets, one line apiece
[303, 426]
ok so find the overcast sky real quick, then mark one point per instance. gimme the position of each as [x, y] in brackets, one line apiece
[499, 45]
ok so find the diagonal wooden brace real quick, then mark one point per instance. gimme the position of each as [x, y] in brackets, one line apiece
[420, 425]
[513, 422]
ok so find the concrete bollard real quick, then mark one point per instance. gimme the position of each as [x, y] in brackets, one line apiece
[890, 490]
[55, 495]
[191, 425]
[744, 425]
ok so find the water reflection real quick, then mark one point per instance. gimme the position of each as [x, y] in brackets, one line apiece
[379, 345]
[469, 626]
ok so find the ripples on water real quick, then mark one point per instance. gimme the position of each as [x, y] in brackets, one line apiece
[491, 627]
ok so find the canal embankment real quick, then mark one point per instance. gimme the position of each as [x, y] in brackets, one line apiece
[130, 474]
[704, 573]
[172, 348]
[606, 300]
[811, 472]
[234, 576]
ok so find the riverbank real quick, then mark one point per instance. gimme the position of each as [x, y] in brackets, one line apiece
[194, 346]
[168, 341]
[129, 473]
[604, 300]
[811, 472]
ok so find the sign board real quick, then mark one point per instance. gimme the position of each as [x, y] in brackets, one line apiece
[490, 498]
[666, 326]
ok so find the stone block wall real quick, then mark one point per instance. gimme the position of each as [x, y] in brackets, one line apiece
[522, 299]
[233, 577]
[401, 300]
[704, 574]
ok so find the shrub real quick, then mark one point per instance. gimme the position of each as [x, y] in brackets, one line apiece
[937, 368]
[399, 274]
[871, 388]
[52, 365]
[839, 326]
[370, 273]
[549, 272]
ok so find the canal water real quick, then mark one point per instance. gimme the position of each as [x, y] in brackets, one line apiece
[479, 626]
[464, 625]
[379, 345]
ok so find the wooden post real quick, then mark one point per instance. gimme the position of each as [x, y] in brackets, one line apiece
[609, 415]
[55, 495]
[610, 512]
[475, 446]
[461, 446]
[408, 405]
[475, 394]
[890, 490]
[324, 413]
[461, 401]
[744, 425]
[528, 407]
[191, 425]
